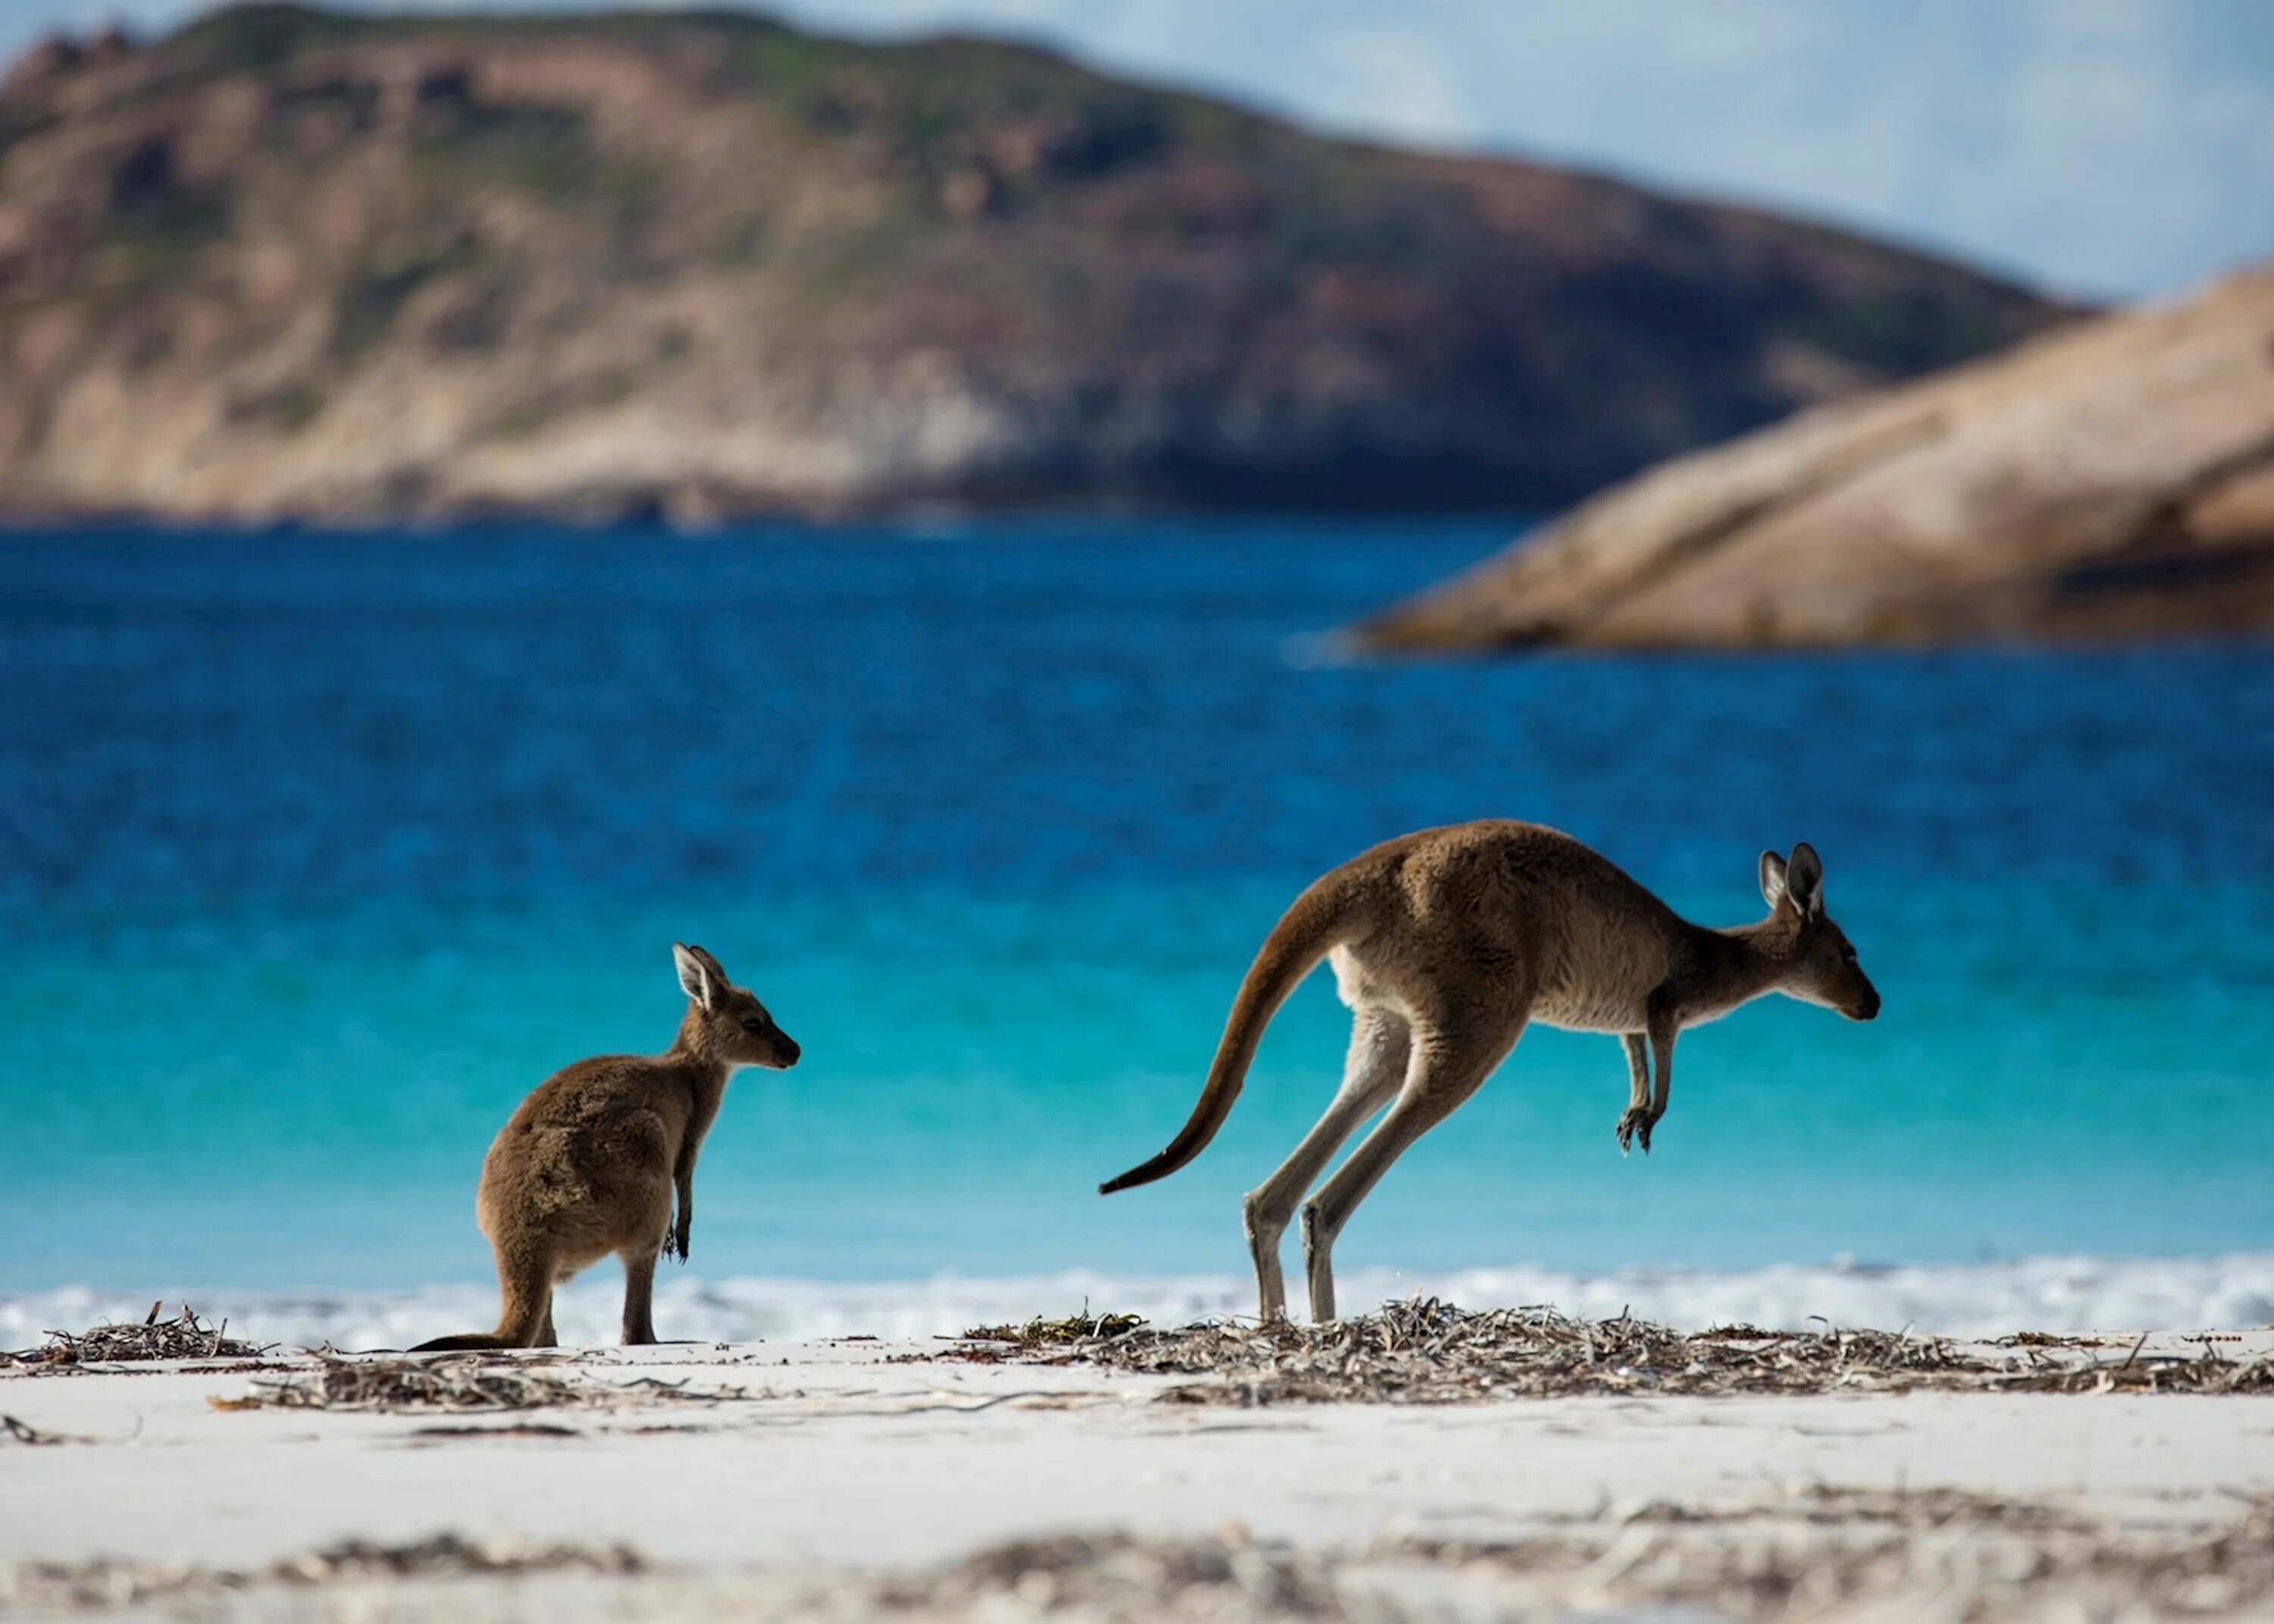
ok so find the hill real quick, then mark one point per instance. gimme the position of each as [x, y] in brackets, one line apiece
[292, 263]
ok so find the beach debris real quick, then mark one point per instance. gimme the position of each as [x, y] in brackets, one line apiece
[1074, 1328]
[460, 1383]
[1119, 1576]
[108, 1583]
[184, 1336]
[15, 1430]
[1819, 1552]
[1774, 1556]
[1427, 1352]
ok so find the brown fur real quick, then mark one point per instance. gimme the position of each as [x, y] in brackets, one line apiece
[588, 1165]
[1445, 944]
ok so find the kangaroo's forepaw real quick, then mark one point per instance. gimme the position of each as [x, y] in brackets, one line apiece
[674, 1244]
[1634, 1126]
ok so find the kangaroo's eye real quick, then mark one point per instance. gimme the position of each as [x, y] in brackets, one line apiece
[1848, 953]
[751, 1023]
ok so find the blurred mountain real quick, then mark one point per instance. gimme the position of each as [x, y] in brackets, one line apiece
[293, 263]
[2112, 480]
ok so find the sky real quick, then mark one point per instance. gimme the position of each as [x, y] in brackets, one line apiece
[2100, 148]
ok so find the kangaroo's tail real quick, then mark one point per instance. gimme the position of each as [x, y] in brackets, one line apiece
[467, 1343]
[525, 1274]
[1316, 923]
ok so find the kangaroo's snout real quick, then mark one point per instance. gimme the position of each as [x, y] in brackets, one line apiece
[788, 1053]
[1868, 1009]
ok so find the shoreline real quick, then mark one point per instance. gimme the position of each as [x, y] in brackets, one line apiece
[2061, 1295]
[758, 1476]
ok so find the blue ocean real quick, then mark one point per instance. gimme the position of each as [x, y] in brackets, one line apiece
[318, 851]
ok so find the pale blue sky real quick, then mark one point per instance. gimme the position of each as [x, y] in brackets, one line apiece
[2105, 148]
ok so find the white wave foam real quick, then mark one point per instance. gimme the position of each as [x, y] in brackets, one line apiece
[1987, 1299]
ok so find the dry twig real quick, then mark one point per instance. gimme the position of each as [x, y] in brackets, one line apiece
[184, 1336]
[17, 1431]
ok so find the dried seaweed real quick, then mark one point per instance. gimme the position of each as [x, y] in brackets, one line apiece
[1942, 1554]
[184, 1336]
[1424, 1351]
[1955, 1555]
[1118, 1576]
[459, 1384]
[1074, 1328]
[1816, 1553]
[108, 1583]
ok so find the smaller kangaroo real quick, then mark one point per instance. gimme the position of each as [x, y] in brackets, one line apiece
[1445, 944]
[587, 1164]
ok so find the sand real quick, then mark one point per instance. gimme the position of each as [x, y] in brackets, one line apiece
[847, 1478]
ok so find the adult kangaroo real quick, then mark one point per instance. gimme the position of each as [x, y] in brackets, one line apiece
[1445, 944]
[589, 1163]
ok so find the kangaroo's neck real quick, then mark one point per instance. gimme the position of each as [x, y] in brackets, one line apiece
[1734, 965]
[692, 1054]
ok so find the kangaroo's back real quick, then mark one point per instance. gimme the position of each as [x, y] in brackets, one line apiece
[1599, 941]
[585, 1141]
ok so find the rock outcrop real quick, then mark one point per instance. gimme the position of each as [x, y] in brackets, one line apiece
[2112, 480]
[288, 263]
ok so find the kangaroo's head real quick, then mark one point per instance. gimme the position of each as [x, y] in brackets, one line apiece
[730, 1021]
[1824, 966]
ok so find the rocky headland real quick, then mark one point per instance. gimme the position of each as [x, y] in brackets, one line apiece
[2114, 480]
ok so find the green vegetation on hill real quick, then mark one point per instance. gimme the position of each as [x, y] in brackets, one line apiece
[289, 260]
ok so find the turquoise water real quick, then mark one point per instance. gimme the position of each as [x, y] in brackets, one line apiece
[320, 851]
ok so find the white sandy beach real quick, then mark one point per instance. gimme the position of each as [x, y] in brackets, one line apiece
[850, 1479]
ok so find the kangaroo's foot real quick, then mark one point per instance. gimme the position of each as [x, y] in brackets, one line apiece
[1634, 1124]
[473, 1342]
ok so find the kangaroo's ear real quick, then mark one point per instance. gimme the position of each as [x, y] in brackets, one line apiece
[1805, 881]
[695, 978]
[1772, 879]
[709, 960]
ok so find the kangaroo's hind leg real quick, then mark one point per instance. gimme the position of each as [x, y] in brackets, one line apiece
[639, 1221]
[1448, 1064]
[1380, 1046]
[639, 1296]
